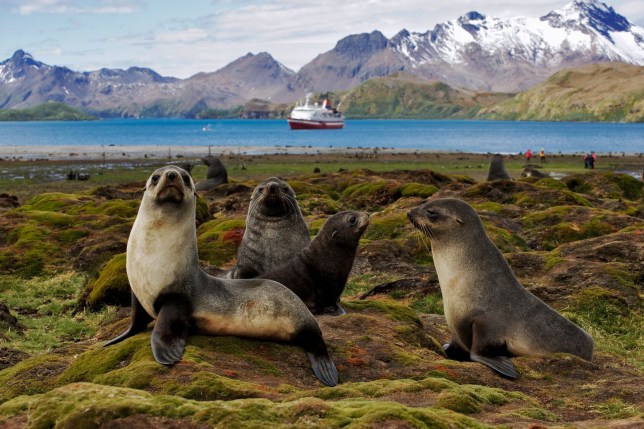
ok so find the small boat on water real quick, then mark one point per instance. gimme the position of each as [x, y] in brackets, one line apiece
[315, 117]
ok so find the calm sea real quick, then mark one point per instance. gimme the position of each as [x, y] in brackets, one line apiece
[464, 136]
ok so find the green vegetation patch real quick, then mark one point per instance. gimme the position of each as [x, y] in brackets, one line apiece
[46, 307]
[111, 287]
[218, 240]
[391, 309]
[84, 405]
[49, 111]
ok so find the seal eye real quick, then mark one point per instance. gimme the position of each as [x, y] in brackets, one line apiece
[155, 179]
[431, 214]
[353, 220]
[186, 179]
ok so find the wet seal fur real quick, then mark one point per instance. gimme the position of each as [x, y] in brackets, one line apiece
[318, 275]
[490, 315]
[275, 230]
[168, 285]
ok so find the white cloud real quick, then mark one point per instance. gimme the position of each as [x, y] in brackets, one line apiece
[76, 6]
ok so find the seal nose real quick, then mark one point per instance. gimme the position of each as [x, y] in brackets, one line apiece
[171, 175]
[272, 188]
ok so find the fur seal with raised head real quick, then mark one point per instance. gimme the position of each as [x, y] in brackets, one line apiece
[168, 285]
[319, 273]
[497, 169]
[215, 176]
[275, 230]
[490, 315]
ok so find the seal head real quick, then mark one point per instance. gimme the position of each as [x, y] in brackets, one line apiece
[275, 230]
[318, 275]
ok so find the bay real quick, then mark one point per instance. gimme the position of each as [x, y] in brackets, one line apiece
[263, 135]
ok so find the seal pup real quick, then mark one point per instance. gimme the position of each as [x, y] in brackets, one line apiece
[497, 169]
[215, 176]
[533, 172]
[168, 285]
[275, 230]
[319, 273]
[490, 315]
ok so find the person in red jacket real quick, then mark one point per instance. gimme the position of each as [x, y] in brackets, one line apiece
[528, 155]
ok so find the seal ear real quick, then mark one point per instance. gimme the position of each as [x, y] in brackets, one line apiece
[459, 221]
[334, 233]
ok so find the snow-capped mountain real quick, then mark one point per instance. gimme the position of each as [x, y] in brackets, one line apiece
[482, 52]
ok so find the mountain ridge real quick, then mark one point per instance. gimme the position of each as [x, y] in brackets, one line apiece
[473, 52]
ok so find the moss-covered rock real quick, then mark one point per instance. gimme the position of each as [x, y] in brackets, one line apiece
[110, 288]
[219, 239]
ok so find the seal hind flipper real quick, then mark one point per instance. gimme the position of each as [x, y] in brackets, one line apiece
[501, 364]
[456, 352]
[313, 344]
[324, 368]
[171, 329]
[140, 321]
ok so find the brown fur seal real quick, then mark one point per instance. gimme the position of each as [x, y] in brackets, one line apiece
[168, 285]
[319, 273]
[490, 315]
[215, 176]
[533, 172]
[275, 230]
[497, 169]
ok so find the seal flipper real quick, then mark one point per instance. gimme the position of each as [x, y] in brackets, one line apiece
[456, 352]
[140, 321]
[171, 329]
[501, 364]
[324, 368]
[313, 344]
[334, 310]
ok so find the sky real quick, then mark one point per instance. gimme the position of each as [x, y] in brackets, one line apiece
[180, 38]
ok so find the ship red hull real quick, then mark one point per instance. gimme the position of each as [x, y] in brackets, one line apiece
[303, 124]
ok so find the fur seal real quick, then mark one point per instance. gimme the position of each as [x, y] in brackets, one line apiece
[168, 285]
[533, 172]
[490, 315]
[319, 273]
[215, 176]
[275, 230]
[497, 169]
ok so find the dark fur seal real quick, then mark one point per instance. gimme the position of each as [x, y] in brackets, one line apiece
[497, 169]
[168, 285]
[490, 315]
[215, 176]
[275, 230]
[319, 273]
[533, 172]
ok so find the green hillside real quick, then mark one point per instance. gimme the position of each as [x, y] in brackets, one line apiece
[50, 111]
[611, 92]
[401, 96]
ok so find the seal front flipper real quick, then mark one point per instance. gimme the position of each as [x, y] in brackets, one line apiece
[171, 329]
[140, 321]
[334, 310]
[456, 352]
[501, 364]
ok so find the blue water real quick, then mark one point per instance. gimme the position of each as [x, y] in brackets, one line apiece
[465, 136]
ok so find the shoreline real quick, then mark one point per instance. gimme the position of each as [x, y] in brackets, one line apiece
[124, 153]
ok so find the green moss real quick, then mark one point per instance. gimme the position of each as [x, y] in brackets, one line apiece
[202, 213]
[418, 190]
[630, 186]
[386, 226]
[615, 408]
[101, 360]
[429, 304]
[538, 414]
[551, 183]
[206, 386]
[392, 310]
[218, 240]
[26, 377]
[111, 286]
[505, 240]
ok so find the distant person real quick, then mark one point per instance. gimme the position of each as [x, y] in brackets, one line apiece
[528, 155]
[593, 157]
[542, 155]
[589, 160]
